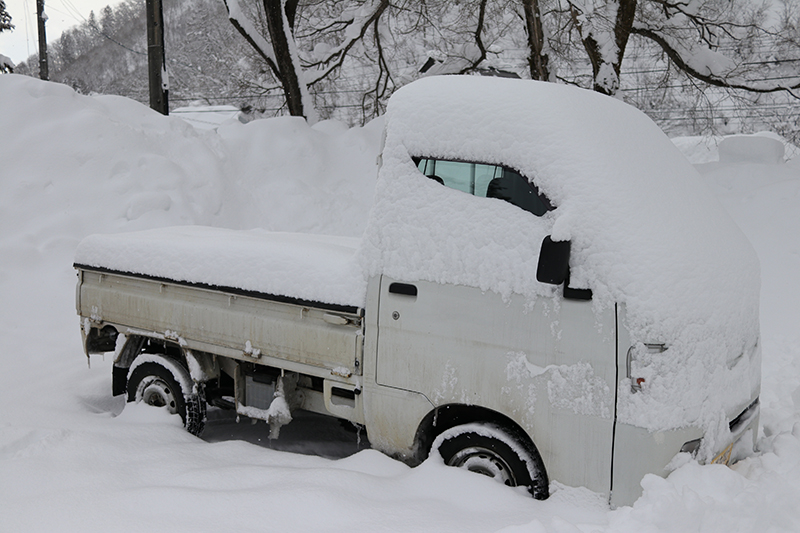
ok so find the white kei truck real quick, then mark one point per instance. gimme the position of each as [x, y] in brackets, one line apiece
[544, 291]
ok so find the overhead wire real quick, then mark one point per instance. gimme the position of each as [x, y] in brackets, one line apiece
[75, 13]
[27, 34]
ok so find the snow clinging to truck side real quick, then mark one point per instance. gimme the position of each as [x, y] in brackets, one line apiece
[645, 232]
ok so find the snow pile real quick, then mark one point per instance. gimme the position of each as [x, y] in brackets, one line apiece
[282, 175]
[701, 150]
[751, 149]
[142, 170]
[645, 232]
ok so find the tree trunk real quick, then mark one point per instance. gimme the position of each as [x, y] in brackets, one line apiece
[606, 63]
[274, 12]
[538, 59]
[291, 10]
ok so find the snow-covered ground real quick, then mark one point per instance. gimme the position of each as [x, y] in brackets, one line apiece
[71, 459]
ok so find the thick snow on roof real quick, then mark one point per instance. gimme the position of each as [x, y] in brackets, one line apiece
[310, 267]
[645, 231]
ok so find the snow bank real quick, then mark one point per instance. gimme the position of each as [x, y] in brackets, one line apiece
[207, 117]
[283, 175]
[645, 232]
[707, 149]
[751, 149]
[66, 153]
[106, 164]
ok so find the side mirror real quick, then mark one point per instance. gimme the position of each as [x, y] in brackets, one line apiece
[553, 261]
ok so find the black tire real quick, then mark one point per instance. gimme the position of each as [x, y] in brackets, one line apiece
[154, 383]
[496, 452]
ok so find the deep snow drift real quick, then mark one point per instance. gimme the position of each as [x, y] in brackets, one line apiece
[74, 165]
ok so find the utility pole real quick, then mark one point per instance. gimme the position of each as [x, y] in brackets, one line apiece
[157, 72]
[41, 18]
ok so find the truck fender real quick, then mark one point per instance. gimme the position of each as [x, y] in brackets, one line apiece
[444, 417]
[483, 422]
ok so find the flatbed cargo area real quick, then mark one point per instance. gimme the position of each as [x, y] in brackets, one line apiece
[243, 325]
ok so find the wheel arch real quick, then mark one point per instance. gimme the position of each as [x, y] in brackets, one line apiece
[447, 416]
[154, 371]
[136, 344]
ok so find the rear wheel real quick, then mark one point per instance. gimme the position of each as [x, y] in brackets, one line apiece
[162, 382]
[496, 452]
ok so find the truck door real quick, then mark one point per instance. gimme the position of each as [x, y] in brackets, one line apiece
[548, 363]
[550, 367]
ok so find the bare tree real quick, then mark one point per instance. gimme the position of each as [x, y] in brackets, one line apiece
[5, 18]
[705, 39]
[539, 55]
[693, 36]
[6, 66]
[278, 45]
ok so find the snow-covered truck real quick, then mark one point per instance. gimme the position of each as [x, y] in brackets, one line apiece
[544, 291]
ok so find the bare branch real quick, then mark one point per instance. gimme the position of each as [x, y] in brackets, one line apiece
[383, 72]
[251, 35]
[718, 81]
[336, 57]
[478, 40]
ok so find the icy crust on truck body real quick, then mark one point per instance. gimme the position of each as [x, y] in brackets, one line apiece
[644, 231]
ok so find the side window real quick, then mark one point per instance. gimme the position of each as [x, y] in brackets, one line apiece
[490, 181]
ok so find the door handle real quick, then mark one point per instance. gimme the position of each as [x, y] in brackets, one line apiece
[405, 289]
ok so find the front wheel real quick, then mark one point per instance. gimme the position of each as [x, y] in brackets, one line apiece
[162, 382]
[495, 452]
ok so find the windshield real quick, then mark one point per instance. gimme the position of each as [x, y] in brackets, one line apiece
[489, 181]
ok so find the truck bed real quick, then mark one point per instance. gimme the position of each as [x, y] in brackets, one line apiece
[316, 268]
[289, 333]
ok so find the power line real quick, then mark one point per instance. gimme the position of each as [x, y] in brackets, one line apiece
[27, 34]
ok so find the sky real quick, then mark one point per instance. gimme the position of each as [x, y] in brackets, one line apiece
[23, 41]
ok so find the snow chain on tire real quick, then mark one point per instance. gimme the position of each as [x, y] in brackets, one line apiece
[158, 380]
[495, 451]
[195, 421]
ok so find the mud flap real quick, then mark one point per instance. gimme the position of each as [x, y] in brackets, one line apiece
[119, 380]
